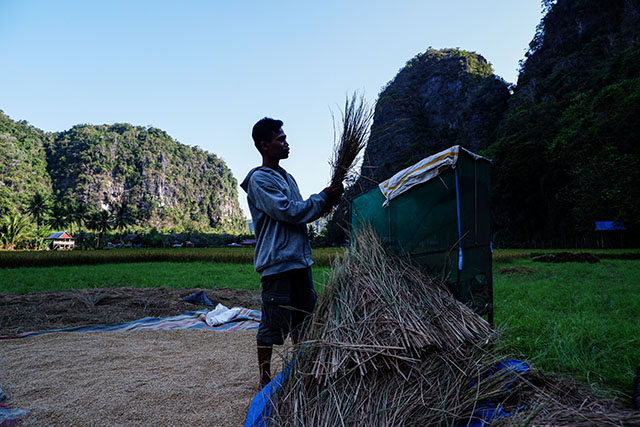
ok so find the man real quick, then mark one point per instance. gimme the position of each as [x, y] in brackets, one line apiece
[283, 253]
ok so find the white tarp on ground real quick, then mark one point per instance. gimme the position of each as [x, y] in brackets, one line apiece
[423, 171]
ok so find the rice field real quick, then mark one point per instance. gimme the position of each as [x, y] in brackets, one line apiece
[16, 259]
[321, 256]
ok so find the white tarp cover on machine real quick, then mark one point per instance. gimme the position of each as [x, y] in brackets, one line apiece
[426, 169]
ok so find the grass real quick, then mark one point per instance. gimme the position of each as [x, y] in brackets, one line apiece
[573, 318]
[178, 275]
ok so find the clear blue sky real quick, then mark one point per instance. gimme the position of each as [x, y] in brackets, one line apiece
[206, 71]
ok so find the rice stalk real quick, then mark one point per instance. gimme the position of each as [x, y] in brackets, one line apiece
[353, 136]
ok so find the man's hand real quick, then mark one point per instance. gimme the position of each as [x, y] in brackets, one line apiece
[334, 193]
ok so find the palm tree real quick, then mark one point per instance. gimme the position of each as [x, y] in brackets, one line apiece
[81, 214]
[59, 219]
[70, 213]
[102, 222]
[40, 236]
[122, 217]
[13, 229]
[38, 208]
[90, 222]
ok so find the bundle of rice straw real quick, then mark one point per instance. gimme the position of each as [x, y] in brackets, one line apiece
[353, 136]
[388, 346]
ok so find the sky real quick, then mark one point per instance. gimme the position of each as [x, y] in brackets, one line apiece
[206, 71]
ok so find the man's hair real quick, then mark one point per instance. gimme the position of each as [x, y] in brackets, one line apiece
[264, 130]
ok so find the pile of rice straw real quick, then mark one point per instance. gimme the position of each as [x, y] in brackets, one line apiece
[390, 347]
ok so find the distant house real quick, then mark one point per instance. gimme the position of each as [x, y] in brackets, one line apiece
[115, 243]
[132, 241]
[61, 240]
[609, 233]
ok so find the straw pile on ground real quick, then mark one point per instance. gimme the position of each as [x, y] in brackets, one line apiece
[389, 346]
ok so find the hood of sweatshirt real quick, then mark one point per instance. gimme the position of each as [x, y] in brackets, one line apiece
[245, 182]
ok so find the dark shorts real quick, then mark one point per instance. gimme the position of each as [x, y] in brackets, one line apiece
[288, 299]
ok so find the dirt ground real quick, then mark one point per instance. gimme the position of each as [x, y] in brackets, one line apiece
[65, 309]
[125, 378]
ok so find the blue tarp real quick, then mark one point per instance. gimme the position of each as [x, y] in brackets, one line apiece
[260, 408]
[485, 412]
[8, 416]
[199, 298]
[609, 225]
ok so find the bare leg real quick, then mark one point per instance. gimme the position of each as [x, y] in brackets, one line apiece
[264, 362]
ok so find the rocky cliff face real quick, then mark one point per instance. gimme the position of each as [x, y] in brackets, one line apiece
[572, 44]
[167, 184]
[439, 99]
[163, 183]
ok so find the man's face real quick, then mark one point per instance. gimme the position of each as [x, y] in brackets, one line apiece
[278, 147]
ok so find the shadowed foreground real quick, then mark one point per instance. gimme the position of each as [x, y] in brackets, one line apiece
[131, 378]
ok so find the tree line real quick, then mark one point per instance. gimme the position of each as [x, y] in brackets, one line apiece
[17, 231]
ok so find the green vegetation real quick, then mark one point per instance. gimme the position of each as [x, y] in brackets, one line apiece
[574, 318]
[503, 256]
[23, 164]
[175, 275]
[95, 229]
[160, 181]
[474, 63]
[567, 149]
[15, 259]
[13, 229]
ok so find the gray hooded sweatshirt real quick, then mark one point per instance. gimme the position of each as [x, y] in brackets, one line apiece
[279, 217]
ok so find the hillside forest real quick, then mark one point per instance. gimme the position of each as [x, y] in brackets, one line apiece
[116, 177]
